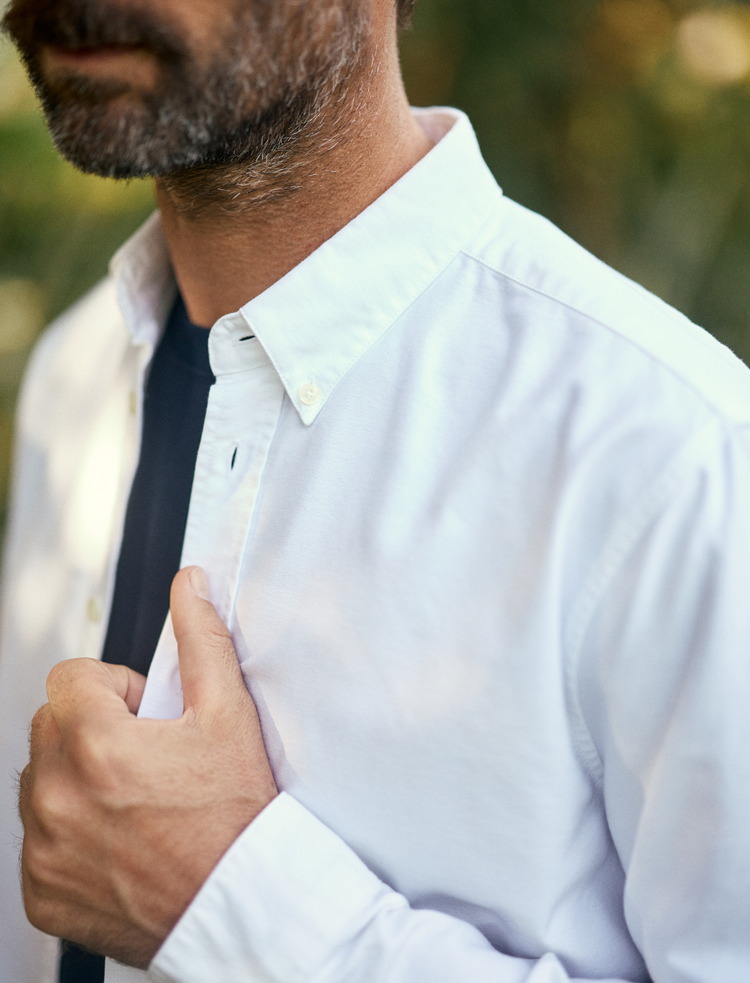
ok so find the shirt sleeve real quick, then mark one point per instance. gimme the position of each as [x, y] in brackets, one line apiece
[664, 689]
[660, 671]
[291, 902]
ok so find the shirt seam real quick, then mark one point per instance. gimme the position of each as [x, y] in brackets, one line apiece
[697, 393]
[603, 571]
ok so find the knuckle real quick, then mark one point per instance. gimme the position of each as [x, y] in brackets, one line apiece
[103, 767]
[41, 717]
[38, 877]
[119, 676]
[39, 910]
[217, 635]
[39, 724]
[34, 869]
[68, 673]
[48, 808]
[33, 905]
[58, 675]
[24, 781]
[211, 632]
[90, 751]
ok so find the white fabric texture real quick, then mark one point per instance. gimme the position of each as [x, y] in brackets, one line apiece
[475, 508]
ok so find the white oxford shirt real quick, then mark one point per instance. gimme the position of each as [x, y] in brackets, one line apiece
[477, 511]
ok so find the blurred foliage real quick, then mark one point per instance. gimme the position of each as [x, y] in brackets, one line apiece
[627, 122]
[58, 229]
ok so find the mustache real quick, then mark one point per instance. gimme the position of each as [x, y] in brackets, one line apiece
[77, 24]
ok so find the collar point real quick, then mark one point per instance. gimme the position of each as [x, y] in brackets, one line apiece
[307, 414]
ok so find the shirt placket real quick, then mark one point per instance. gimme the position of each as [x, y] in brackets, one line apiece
[241, 420]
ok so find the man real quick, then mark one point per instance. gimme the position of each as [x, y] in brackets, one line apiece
[473, 508]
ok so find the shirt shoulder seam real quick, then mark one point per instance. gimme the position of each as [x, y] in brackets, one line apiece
[603, 571]
[705, 400]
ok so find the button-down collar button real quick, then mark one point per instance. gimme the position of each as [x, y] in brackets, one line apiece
[309, 394]
[133, 403]
[93, 610]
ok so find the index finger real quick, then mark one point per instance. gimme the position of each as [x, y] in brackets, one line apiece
[87, 688]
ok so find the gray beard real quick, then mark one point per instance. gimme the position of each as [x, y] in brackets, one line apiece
[280, 95]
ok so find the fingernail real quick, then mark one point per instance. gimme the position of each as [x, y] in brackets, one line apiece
[199, 583]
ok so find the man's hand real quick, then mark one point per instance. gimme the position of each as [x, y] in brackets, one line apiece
[124, 819]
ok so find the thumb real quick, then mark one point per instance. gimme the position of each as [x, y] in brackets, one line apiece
[210, 674]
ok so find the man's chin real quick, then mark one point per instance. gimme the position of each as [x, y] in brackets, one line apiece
[111, 139]
[104, 125]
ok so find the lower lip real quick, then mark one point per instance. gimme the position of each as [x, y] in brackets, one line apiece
[82, 58]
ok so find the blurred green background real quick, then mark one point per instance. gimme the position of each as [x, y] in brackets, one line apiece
[627, 122]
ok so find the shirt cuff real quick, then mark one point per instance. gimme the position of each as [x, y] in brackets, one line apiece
[281, 903]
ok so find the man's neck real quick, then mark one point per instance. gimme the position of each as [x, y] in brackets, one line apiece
[244, 230]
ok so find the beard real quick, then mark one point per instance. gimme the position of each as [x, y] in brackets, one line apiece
[277, 81]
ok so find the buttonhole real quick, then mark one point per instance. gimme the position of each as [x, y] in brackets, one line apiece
[247, 337]
[234, 458]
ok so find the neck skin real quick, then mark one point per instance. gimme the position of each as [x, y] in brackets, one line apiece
[223, 258]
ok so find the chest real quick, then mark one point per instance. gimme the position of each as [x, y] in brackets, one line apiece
[395, 589]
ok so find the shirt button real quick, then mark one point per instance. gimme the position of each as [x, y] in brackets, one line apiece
[93, 610]
[133, 403]
[309, 394]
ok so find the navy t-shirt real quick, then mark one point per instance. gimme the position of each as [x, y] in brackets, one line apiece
[174, 409]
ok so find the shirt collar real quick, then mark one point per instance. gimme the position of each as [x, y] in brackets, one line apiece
[146, 287]
[319, 319]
